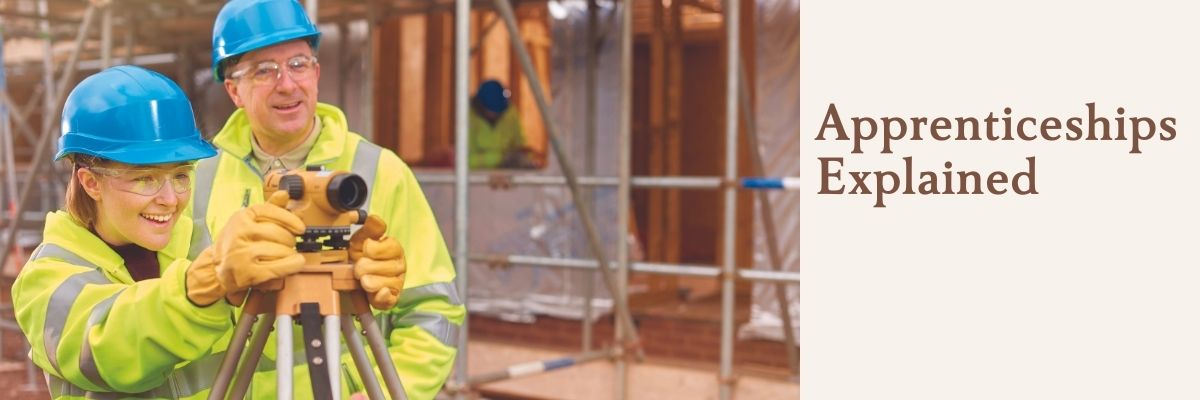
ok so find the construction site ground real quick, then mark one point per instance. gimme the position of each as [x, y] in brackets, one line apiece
[681, 340]
[655, 378]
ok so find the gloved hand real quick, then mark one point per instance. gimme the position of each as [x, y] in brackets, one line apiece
[203, 287]
[257, 245]
[378, 263]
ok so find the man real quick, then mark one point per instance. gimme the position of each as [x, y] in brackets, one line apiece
[497, 139]
[263, 54]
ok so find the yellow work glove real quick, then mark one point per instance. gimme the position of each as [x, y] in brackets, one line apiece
[203, 287]
[378, 263]
[257, 245]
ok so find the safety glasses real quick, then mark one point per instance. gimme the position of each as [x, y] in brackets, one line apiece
[148, 181]
[300, 68]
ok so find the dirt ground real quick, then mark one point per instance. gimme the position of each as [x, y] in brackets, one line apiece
[653, 379]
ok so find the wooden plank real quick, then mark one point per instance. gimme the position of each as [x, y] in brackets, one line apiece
[656, 207]
[386, 83]
[439, 119]
[673, 130]
[535, 32]
[411, 102]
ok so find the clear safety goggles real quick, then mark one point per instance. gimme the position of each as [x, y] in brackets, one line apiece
[300, 68]
[148, 181]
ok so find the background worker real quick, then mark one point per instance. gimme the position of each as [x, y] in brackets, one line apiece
[109, 301]
[263, 53]
[497, 138]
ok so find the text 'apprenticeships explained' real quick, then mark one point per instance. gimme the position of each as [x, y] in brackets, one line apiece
[914, 177]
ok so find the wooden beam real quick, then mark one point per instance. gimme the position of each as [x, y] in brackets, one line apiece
[656, 232]
[385, 63]
[439, 98]
[672, 127]
[411, 104]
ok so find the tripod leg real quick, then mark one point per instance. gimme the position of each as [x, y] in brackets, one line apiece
[314, 350]
[283, 357]
[379, 349]
[258, 342]
[232, 354]
[333, 354]
[361, 363]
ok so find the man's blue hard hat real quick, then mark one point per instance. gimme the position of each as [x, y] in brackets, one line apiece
[493, 96]
[243, 26]
[131, 115]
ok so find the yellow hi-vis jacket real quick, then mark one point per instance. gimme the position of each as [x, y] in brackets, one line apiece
[422, 330]
[93, 329]
[491, 144]
[98, 334]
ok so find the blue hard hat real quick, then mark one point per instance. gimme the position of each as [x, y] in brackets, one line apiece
[131, 115]
[243, 26]
[493, 96]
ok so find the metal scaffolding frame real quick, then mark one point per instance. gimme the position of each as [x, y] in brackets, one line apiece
[737, 98]
[55, 94]
[615, 272]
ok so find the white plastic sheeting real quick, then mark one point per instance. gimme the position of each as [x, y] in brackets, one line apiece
[777, 76]
[542, 220]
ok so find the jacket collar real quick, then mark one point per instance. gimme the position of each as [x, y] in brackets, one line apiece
[64, 231]
[234, 137]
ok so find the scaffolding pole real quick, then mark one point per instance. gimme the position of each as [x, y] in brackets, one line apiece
[18, 117]
[537, 367]
[106, 39]
[130, 28]
[462, 32]
[676, 182]
[504, 9]
[8, 149]
[43, 144]
[767, 216]
[696, 270]
[312, 7]
[643, 182]
[729, 248]
[49, 100]
[589, 112]
[47, 59]
[368, 62]
[624, 173]
[19, 114]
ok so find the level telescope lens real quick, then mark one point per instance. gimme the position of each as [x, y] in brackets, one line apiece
[347, 192]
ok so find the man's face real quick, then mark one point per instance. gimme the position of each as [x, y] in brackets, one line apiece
[280, 110]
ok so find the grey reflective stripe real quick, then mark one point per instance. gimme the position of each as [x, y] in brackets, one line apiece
[60, 388]
[87, 362]
[55, 251]
[206, 174]
[63, 297]
[188, 381]
[422, 293]
[193, 378]
[436, 324]
[366, 163]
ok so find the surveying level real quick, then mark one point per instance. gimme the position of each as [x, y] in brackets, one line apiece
[323, 296]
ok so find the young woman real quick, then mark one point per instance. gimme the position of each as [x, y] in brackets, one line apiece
[109, 301]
